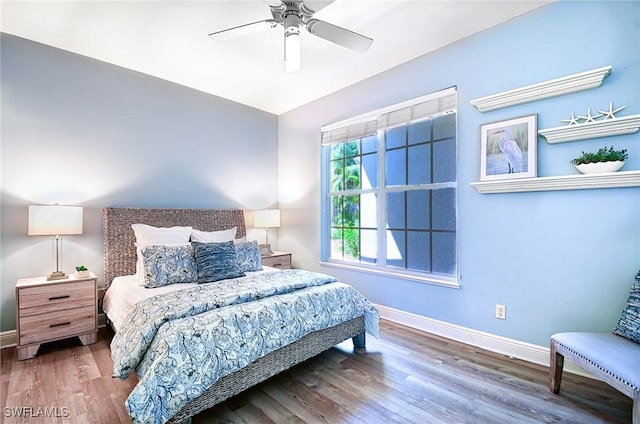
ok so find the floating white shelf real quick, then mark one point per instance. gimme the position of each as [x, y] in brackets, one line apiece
[543, 90]
[605, 128]
[563, 182]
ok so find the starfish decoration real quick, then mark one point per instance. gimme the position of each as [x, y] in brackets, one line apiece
[589, 118]
[572, 121]
[610, 113]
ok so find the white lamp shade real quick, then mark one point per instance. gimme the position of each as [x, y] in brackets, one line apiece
[266, 218]
[55, 220]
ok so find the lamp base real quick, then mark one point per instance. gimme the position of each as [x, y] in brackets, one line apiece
[57, 275]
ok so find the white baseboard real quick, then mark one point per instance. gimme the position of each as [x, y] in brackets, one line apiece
[491, 342]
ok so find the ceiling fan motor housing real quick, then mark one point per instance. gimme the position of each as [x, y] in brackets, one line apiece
[292, 23]
[292, 14]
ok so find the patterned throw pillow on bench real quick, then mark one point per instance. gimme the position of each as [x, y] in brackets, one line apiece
[629, 323]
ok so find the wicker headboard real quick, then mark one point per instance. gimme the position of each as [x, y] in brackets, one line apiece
[119, 240]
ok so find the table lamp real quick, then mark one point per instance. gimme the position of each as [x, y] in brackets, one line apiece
[55, 221]
[267, 218]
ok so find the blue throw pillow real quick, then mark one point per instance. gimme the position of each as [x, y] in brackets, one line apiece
[249, 256]
[629, 323]
[216, 261]
[164, 265]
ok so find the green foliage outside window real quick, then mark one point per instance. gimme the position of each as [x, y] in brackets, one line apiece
[345, 175]
[352, 242]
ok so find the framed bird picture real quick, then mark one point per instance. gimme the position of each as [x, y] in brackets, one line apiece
[508, 149]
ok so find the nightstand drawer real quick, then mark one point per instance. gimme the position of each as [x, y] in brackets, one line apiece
[59, 324]
[277, 261]
[43, 299]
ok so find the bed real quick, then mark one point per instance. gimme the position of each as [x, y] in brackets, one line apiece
[120, 264]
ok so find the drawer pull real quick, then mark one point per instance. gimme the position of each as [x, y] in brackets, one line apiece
[59, 325]
[276, 265]
[66, 296]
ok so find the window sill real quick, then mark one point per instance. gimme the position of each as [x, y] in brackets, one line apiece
[452, 283]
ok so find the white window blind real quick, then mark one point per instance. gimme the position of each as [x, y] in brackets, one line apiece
[349, 132]
[417, 111]
[412, 110]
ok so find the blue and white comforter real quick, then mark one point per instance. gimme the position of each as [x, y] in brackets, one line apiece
[180, 343]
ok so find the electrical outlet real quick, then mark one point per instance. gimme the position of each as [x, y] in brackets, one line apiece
[501, 312]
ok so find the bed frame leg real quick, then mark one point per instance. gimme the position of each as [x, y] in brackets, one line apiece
[360, 343]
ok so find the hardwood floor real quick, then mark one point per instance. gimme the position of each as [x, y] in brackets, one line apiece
[406, 376]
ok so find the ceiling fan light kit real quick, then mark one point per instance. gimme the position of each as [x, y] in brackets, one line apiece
[291, 15]
[292, 51]
[292, 42]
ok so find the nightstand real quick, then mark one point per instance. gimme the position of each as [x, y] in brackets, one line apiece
[280, 260]
[54, 310]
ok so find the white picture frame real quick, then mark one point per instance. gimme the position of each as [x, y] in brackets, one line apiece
[508, 149]
[265, 250]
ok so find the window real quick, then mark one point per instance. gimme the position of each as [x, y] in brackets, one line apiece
[389, 190]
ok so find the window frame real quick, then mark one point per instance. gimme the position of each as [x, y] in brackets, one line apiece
[362, 125]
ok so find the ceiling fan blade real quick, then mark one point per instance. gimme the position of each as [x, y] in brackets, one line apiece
[341, 36]
[316, 5]
[273, 3]
[241, 30]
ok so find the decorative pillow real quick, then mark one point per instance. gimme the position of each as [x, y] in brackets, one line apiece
[216, 261]
[214, 236]
[164, 265]
[629, 323]
[147, 235]
[249, 256]
[140, 249]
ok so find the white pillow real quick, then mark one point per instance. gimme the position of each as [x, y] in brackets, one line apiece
[214, 236]
[147, 235]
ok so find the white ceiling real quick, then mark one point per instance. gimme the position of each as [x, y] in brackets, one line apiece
[168, 39]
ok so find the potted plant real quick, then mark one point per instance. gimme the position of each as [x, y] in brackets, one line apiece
[82, 271]
[604, 160]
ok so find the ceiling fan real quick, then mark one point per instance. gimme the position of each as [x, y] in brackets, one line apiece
[291, 15]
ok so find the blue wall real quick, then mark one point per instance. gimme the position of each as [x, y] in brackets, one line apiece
[83, 132]
[560, 260]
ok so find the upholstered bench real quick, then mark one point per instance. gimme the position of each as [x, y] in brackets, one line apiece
[613, 357]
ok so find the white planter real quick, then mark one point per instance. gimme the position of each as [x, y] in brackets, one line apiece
[81, 274]
[600, 167]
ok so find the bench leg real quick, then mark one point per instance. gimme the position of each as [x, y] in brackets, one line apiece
[556, 363]
[636, 408]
